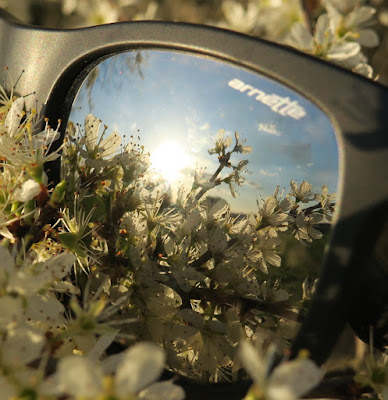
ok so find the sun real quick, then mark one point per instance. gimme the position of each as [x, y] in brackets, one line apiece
[169, 159]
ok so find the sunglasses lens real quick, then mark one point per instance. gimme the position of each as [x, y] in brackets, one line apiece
[235, 180]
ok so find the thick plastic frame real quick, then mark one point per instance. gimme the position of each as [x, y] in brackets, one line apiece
[55, 63]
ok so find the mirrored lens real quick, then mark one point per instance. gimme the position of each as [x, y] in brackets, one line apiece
[210, 190]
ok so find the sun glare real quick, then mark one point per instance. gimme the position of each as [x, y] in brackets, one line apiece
[169, 159]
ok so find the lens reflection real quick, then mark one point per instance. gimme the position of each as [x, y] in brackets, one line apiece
[214, 206]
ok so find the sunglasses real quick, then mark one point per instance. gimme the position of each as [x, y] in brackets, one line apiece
[262, 133]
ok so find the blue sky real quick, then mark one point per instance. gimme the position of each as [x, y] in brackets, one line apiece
[177, 103]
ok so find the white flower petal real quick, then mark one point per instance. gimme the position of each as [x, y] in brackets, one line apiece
[364, 69]
[46, 137]
[46, 309]
[79, 377]
[69, 6]
[142, 364]
[383, 17]
[192, 317]
[92, 126]
[368, 38]
[65, 287]
[15, 114]
[334, 15]
[323, 33]
[272, 258]
[7, 391]
[7, 263]
[22, 346]
[24, 283]
[110, 144]
[339, 52]
[10, 311]
[293, 379]
[239, 18]
[218, 209]
[102, 344]
[56, 267]
[252, 362]
[217, 241]
[162, 390]
[359, 16]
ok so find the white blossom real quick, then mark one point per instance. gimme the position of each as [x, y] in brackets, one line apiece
[288, 381]
[136, 372]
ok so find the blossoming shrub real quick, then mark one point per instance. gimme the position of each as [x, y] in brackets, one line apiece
[109, 258]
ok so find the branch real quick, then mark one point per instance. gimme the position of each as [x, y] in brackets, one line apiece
[208, 255]
[224, 161]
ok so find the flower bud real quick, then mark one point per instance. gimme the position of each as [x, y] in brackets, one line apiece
[58, 194]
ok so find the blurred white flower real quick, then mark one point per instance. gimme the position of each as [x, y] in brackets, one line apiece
[277, 17]
[353, 24]
[323, 44]
[383, 17]
[20, 8]
[30, 279]
[339, 35]
[21, 345]
[288, 381]
[138, 368]
[238, 17]
[93, 13]
[149, 13]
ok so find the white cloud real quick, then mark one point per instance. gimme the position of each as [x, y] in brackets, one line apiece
[268, 173]
[271, 129]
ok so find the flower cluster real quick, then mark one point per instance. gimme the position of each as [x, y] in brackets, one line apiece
[334, 30]
[339, 36]
[107, 262]
[55, 324]
[194, 276]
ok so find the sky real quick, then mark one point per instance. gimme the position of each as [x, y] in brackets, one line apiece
[177, 102]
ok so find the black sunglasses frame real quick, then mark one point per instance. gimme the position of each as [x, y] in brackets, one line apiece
[55, 63]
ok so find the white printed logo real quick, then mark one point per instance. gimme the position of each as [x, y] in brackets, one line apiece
[281, 105]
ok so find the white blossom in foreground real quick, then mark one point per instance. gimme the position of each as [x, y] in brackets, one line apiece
[288, 381]
[353, 23]
[135, 376]
[239, 18]
[338, 37]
